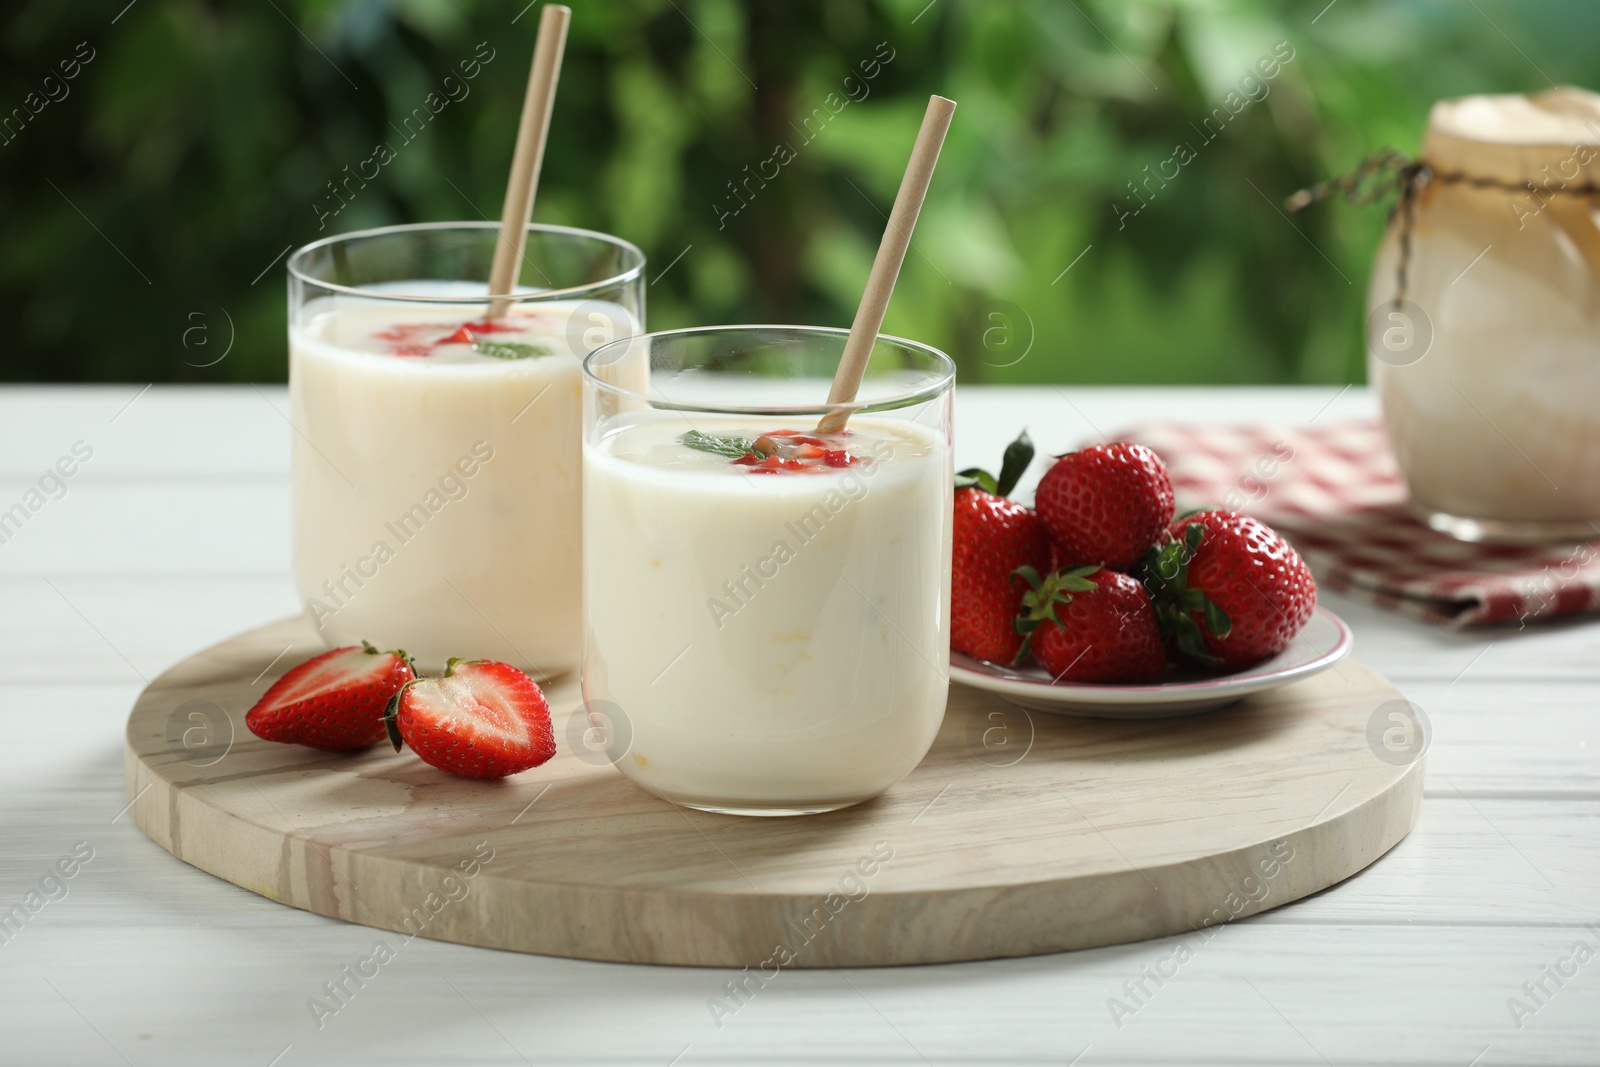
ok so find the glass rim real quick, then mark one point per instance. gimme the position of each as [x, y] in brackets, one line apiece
[297, 258]
[922, 394]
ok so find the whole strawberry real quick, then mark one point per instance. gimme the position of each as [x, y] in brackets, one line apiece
[482, 719]
[1093, 625]
[333, 702]
[1228, 589]
[993, 536]
[1107, 504]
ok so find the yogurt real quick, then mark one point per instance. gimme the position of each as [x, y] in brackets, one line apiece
[1488, 369]
[769, 636]
[436, 473]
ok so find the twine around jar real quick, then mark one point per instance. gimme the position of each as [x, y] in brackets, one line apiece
[1389, 171]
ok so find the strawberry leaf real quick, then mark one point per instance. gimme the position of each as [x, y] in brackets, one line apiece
[1076, 579]
[1165, 573]
[391, 715]
[1190, 640]
[1039, 603]
[975, 476]
[1025, 648]
[1217, 620]
[1019, 454]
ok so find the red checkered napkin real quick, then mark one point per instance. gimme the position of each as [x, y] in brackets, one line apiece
[1336, 493]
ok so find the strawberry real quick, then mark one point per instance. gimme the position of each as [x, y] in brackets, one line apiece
[1089, 624]
[1106, 504]
[483, 719]
[993, 536]
[1228, 589]
[333, 702]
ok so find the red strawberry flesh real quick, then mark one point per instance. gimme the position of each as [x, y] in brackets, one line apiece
[334, 701]
[793, 452]
[483, 719]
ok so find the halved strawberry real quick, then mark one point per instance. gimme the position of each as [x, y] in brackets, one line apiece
[333, 702]
[483, 719]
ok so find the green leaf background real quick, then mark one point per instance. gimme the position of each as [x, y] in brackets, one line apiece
[191, 151]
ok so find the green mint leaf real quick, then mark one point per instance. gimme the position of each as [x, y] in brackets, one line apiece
[510, 350]
[731, 447]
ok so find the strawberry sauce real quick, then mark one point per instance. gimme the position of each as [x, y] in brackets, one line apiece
[424, 338]
[790, 451]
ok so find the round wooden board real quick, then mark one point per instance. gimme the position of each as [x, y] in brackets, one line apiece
[1019, 834]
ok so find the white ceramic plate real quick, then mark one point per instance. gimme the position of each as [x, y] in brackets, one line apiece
[1184, 691]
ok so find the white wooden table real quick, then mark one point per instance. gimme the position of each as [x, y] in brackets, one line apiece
[175, 534]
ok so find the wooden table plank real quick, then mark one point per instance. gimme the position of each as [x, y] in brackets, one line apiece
[1255, 993]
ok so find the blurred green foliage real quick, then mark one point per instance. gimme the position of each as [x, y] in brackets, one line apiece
[150, 193]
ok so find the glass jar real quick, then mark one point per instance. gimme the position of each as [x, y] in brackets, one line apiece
[767, 605]
[1484, 320]
[436, 468]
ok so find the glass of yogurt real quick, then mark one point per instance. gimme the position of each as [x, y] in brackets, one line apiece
[766, 606]
[1482, 314]
[436, 450]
